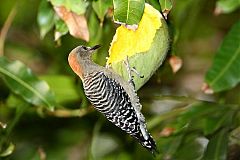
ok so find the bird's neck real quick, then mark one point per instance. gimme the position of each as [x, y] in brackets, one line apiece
[80, 65]
[86, 66]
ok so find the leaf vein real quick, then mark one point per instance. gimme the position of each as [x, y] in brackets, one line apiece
[9, 74]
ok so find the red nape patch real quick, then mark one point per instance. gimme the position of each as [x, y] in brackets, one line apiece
[73, 62]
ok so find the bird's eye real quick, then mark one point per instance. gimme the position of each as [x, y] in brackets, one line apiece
[85, 48]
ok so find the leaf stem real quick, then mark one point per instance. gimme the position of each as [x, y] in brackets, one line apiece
[70, 112]
[5, 29]
[7, 132]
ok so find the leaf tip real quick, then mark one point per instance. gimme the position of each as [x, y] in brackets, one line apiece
[175, 63]
[206, 89]
[3, 125]
[167, 131]
[217, 11]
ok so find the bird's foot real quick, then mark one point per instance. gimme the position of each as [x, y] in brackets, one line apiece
[131, 70]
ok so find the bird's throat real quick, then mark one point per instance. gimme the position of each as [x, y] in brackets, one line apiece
[75, 65]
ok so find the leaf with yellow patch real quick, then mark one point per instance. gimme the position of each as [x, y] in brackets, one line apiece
[146, 47]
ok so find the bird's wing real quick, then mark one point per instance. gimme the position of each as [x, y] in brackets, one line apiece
[111, 99]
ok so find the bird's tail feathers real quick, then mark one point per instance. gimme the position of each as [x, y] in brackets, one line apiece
[149, 143]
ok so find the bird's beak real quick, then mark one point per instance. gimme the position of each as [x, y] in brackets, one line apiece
[95, 47]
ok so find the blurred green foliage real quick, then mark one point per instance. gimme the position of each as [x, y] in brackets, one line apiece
[186, 123]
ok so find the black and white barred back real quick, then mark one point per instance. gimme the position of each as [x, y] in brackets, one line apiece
[110, 98]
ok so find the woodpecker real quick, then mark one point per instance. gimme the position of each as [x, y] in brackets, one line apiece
[111, 95]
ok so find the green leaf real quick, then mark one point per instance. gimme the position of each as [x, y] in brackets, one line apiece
[63, 87]
[215, 121]
[197, 110]
[205, 117]
[22, 82]
[227, 6]
[168, 146]
[60, 29]
[166, 5]
[217, 146]
[178, 147]
[8, 151]
[79, 7]
[151, 57]
[224, 73]
[128, 11]
[95, 29]
[101, 7]
[45, 18]
[193, 143]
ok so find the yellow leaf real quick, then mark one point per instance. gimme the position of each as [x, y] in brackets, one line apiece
[128, 42]
[146, 46]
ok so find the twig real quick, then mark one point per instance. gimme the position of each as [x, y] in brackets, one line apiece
[5, 29]
[42, 154]
[64, 113]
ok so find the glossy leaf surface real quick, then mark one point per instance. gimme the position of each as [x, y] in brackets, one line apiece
[45, 18]
[224, 73]
[227, 6]
[22, 82]
[128, 11]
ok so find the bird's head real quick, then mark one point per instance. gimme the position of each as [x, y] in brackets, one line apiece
[78, 56]
[85, 52]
